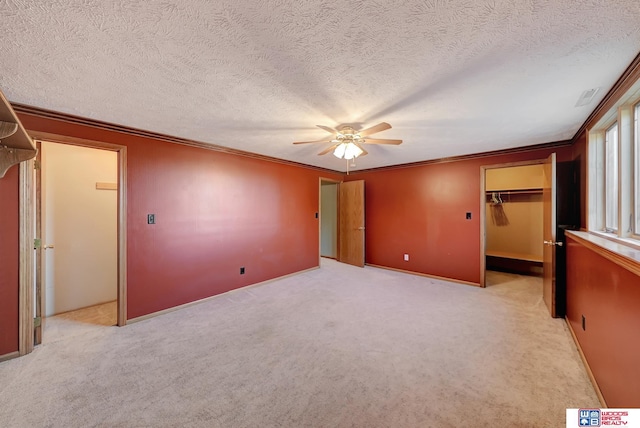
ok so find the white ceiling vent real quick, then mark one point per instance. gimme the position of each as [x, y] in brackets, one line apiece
[587, 97]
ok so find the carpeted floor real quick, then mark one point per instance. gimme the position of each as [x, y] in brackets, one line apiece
[335, 347]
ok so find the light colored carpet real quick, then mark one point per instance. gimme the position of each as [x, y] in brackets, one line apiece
[335, 347]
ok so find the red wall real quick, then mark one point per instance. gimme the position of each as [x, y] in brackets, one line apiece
[9, 260]
[215, 212]
[420, 210]
[609, 297]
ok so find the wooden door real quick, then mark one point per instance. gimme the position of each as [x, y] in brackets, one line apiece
[351, 230]
[549, 234]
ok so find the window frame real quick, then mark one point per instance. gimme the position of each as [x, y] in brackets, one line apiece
[636, 172]
[625, 115]
[611, 223]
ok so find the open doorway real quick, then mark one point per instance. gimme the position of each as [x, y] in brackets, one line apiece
[341, 226]
[512, 221]
[76, 284]
[329, 196]
[514, 217]
[78, 222]
[560, 212]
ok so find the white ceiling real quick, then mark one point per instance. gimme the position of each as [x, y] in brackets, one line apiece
[451, 76]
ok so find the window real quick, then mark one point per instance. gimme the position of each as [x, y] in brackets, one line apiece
[614, 171]
[636, 169]
[611, 178]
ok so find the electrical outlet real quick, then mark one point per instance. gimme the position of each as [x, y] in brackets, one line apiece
[242, 270]
[469, 216]
[406, 257]
[151, 219]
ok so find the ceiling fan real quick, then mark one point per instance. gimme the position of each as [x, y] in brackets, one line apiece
[348, 143]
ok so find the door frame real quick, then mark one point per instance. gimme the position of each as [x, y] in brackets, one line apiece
[337, 183]
[483, 213]
[27, 259]
[27, 213]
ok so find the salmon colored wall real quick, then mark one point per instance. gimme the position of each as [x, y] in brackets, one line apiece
[215, 212]
[580, 161]
[609, 297]
[420, 211]
[9, 260]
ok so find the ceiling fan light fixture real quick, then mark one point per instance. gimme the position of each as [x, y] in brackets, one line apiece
[339, 151]
[347, 151]
[352, 151]
[347, 143]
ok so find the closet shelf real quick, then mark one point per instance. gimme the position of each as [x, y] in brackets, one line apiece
[516, 191]
[515, 195]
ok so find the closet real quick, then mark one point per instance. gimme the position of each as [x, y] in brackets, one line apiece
[514, 212]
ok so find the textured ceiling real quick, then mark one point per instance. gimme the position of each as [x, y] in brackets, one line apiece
[452, 77]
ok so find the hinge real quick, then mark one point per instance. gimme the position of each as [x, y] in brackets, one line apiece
[37, 321]
[36, 164]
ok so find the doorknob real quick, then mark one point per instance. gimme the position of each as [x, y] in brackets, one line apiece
[551, 243]
[361, 228]
[47, 246]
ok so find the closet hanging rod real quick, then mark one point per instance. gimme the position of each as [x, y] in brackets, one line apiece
[515, 192]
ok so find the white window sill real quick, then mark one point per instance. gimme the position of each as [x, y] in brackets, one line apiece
[633, 243]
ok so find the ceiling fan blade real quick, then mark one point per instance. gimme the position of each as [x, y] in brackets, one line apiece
[380, 141]
[326, 128]
[311, 142]
[327, 150]
[377, 128]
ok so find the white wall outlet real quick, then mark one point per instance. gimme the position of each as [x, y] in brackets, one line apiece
[406, 257]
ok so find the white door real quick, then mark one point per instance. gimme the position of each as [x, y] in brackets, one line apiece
[79, 227]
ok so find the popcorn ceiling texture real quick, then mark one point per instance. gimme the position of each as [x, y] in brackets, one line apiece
[452, 77]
